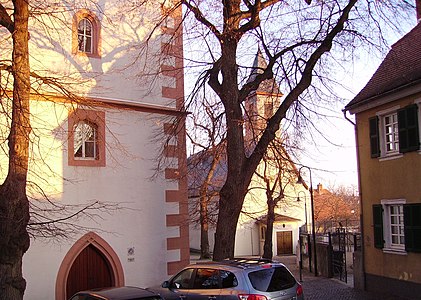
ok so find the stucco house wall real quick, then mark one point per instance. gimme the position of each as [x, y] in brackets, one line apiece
[143, 232]
[382, 179]
[387, 114]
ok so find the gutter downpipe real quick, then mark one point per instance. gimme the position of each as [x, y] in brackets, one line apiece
[360, 195]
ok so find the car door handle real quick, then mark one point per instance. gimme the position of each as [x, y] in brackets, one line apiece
[182, 297]
[212, 297]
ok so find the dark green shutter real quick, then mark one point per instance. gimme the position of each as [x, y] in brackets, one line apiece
[408, 129]
[378, 226]
[374, 137]
[412, 227]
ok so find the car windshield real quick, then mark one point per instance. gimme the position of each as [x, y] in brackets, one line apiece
[272, 279]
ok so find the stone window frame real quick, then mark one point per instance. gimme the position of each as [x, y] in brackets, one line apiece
[85, 14]
[96, 118]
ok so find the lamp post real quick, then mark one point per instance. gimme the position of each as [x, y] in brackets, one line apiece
[313, 229]
[305, 208]
[306, 231]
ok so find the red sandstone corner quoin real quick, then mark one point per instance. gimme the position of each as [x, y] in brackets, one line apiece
[180, 243]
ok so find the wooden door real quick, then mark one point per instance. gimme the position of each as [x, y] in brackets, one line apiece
[89, 270]
[284, 242]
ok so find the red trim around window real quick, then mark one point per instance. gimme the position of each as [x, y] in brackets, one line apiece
[96, 33]
[97, 118]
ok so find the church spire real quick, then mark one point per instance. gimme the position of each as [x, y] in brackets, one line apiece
[261, 104]
[259, 65]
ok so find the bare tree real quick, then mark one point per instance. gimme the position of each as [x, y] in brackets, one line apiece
[296, 39]
[14, 206]
[279, 175]
[336, 208]
[206, 210]
[205, 176]
[350, 196]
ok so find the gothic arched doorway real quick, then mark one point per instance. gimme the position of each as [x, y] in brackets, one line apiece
[89, 270]
[90, 263]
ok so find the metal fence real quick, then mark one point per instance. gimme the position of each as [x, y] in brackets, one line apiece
[350, 225]
[338, 244]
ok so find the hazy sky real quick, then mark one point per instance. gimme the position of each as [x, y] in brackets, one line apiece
[336, 164]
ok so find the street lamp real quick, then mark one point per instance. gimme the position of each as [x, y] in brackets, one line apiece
[306, 231]
[305, 208]
[300, 180]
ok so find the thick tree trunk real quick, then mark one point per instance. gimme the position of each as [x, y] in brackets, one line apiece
[268, 245]
[225, 231]
[14, 206]
[14, 242]
[204, 243]
[204, 228]
[229, 211]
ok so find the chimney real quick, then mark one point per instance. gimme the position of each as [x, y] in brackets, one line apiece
[418, 9]
[320, 186]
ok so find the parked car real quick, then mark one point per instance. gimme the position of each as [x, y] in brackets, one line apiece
[235, 279]
[117, 293]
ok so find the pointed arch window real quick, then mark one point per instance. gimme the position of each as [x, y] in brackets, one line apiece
[86, 138]
[86, 34]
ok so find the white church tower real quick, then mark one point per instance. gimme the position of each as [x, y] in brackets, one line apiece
[260, 105]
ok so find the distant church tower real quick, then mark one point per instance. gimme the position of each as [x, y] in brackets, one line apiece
[260, 104]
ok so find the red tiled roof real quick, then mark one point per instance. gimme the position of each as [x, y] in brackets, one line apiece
[400, 68]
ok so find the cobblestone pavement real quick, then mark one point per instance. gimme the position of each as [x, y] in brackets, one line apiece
[328, 288]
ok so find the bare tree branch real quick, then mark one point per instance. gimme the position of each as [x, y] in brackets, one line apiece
[5, 20]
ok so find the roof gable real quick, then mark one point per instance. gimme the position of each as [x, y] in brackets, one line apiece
[199, 164]
[278, 219]
[401, 68]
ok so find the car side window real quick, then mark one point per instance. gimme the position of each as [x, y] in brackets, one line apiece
[182, 280]
[228, 279]
[206, 279]
[272, 279]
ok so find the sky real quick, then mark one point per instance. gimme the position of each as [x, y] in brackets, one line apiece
[332, 157]
[335, 165]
